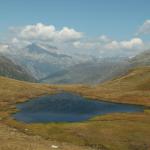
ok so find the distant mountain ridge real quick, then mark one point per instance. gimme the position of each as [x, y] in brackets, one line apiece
[142, 59]
[98, 72]
[35, 49]
[49, 64]
[12, 70]
[43, 60]
[89, 72]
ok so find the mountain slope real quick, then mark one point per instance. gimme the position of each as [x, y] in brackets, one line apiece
[135, 79]
[11, 70]
[35, 49]
[133, 88]
[40, 61]
[90, 72]
[43, 61]
[98, 71]
[142, 59]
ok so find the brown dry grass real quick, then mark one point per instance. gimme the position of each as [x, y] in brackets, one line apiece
[133, 88]
[12, 139]
[129, 131]
[12, 92]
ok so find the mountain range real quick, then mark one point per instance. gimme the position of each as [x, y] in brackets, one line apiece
[98, 71]
[90, 72]
[9, 69]
[43, 61]
[50, 65]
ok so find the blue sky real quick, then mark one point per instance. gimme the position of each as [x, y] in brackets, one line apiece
[119, 19]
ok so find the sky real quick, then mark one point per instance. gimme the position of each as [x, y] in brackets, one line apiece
[117, 18]
[121, 22]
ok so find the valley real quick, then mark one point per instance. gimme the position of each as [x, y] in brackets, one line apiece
[125, 131]
[75, 75]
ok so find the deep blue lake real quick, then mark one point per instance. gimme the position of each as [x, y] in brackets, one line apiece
[67, 107]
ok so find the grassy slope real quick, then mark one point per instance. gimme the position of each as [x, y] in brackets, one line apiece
[134, 88]
[109, 132]
[13, 91]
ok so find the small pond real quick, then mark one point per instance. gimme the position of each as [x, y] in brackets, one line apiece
[67, 107]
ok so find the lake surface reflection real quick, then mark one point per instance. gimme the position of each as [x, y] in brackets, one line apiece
[67, 107]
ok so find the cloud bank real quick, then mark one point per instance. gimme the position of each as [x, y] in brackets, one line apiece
[41, 32]
[70, 40]
[106, 43]
[145, 28]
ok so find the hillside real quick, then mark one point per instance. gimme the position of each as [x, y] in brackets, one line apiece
[134, 88]
[92, 72]
[13, 91]
[114, 128]
[11, 70]
[142, 59]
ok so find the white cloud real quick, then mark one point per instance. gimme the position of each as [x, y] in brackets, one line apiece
[68, 34]
[133, 43]
[19, 43]
[108, 44]
[47, 34]
[130, 44]
[104, 38]
[38, 31]
[112, 45]
[145, 28]
[41, 32]
[68, 40]
[4, 47]
[84, 45]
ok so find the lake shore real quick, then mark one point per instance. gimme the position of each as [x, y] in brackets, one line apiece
[113, 132]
